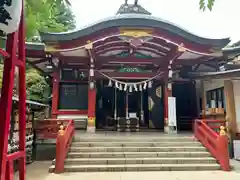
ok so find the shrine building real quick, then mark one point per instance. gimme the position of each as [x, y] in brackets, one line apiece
[128, 72]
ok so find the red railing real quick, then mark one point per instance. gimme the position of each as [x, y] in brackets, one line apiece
[64, 140]
[62, 131]
[48, 128]
[206, 131]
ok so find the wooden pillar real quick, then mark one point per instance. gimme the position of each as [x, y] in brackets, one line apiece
[91, 109]
[165, 108]
[14, 57]
[91, 124]
[230, 107]
[204, 99]
[175, 53]
[167, 94]
[55, 92]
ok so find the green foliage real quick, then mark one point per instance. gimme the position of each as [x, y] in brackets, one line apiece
[37, 87]
[47, 16]
[44, 16]
[206, 4]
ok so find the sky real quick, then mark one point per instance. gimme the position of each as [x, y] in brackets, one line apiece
[223, 21]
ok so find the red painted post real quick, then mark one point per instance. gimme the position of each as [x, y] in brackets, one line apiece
[9, 171]
[15, 45]
[55, 93]
[223, 153]
[165, 105]
[60, 151]
[195, 128]
[22, 99]
[91, 108]
[6, 100]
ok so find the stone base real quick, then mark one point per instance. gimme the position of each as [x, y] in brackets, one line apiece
[170, 129]
[166, 129]
[91, 129]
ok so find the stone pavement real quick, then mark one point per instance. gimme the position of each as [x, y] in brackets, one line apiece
[39, 171]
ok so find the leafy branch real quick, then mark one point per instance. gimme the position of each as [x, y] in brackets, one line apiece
[206, 4]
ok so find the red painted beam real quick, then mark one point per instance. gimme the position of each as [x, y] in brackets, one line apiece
[4, 53]
[130, 59]
[40, 61]
[152, 45]
[70, 112]
[35, 54]
[111, 59]
[126, 48]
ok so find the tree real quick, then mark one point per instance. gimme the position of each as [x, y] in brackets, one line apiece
[48, 15]
[206, 4]
[42, 15]
[37, 87]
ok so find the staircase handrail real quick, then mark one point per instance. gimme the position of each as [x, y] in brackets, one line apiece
[216, 143]
[64, 140]
[48, 128]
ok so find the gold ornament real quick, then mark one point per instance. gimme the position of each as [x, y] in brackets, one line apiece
[222, 131]
[89, 45]
[135, 33]
[181, 48]
[61, 130]
[159, 92]
[51, 48]
[91, 121]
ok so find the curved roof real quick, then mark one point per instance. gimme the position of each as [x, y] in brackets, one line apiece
[133, 20]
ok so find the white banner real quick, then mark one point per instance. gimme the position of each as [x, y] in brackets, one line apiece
[10, 15]
[172, 117]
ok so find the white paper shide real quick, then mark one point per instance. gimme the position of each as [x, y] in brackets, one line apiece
[172, 118]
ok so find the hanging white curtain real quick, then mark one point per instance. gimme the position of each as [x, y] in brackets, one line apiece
[10, 15]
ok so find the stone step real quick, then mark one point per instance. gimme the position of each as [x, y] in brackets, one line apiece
[135, 139]
[137, 154]
[133, 144]
[139, 167]
[154, 160]
[137, 149]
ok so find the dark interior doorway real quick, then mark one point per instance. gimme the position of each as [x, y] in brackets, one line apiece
[121, 103]
[134, 103]
[186, 104]
[105, 105]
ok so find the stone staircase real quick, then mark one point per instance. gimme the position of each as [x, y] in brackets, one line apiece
[167, 153]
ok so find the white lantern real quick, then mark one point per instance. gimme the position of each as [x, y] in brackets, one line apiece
[140, 87]
[10, 15]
